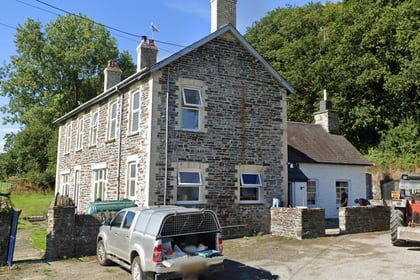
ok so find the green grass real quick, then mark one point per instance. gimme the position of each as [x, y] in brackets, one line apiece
[38, 239]
[32, 204]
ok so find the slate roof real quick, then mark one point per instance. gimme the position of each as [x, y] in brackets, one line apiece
[296, 174]
[310, 143]
[159, 65]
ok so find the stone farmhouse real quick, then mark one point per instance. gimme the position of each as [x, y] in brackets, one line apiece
[205, 127]
[322, 163]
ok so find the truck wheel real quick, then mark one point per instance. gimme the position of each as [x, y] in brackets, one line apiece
[101, 254]
[397, 220]
[136, 271]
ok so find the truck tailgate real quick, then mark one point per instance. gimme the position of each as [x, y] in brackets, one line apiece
[189, 263]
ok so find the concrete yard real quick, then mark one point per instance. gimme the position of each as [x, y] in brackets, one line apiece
[353, 256]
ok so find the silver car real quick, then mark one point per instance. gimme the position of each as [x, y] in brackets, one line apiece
[165, 242]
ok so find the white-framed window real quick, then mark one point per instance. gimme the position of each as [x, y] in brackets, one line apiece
[189, 186]
[94, 128]
[312, 193]
[79, 138]
[68, 138]
[112, 121]
[132, 179]
[99, 184]
[135, 112]
[65, 183]
[191, 107]
[250, 190]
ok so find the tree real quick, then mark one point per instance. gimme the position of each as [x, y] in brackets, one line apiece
[399, 147]
[55, 70]
[365, 53]
[376, 67]
[294, 41]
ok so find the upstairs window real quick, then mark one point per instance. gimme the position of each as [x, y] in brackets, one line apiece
[79, 140]
[112, 121]
[189, 185]
[68, 138]
[191, 105]
[94, 129]
[135, 112]
[250, 187]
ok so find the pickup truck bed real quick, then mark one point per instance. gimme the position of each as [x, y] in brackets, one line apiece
[162, 242]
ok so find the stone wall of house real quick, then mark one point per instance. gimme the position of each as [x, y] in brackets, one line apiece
[299, 223]
[5, 225]
[242, 130]
[364, 219]
[242, 126]
[70, 235]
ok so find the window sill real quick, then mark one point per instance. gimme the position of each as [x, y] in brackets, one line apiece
[110, 141]
[248, 202]
[191, 130]
[195, 202]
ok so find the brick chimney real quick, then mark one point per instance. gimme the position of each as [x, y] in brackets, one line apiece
[223, 12]
[146, 54]
[327, 117]
[112, 74]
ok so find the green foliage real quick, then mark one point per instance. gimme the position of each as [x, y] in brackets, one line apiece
[365, 53]
[399, 147]
[56, 69]
[29, 155]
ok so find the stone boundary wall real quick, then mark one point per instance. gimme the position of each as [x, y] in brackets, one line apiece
[70, 235]
[5, 225]
[299, 223]
[364, 219]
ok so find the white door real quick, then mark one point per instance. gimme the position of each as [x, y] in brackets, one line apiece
[300, 194]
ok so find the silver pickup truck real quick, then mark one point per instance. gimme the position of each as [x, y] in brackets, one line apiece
[166, 242]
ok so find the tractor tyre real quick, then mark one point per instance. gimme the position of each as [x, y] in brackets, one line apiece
[397, 220]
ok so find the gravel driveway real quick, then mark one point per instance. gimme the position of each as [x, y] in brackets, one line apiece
[354, 256]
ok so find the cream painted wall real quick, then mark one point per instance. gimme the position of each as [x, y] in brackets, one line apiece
[326, 175]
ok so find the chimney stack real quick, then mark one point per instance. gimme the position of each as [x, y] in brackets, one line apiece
[112, 75]
[223, 12]
[327, 117]
[146, 54]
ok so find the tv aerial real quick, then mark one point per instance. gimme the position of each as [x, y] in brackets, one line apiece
[154, 29]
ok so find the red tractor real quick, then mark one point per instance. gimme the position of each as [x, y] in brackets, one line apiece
[405, 211]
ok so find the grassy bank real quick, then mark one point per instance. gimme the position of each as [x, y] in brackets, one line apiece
[32, 204]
